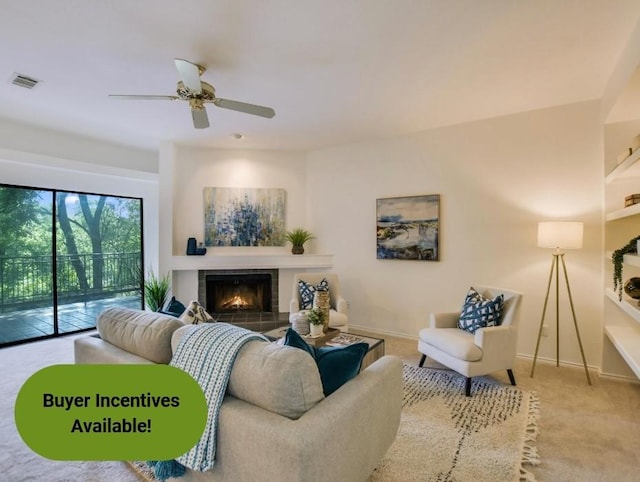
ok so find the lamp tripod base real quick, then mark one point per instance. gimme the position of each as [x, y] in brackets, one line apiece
[555, 262]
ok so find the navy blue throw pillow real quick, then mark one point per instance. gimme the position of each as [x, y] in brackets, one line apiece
[480, 312]
[173, 307]
[337, 365]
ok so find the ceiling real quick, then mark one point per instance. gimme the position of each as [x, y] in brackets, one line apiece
[334, 71]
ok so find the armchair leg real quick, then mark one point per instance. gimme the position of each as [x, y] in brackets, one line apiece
[467, 387]
[512, 379]
[422, 360]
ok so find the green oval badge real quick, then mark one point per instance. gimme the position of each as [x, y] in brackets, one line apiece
[110, 412]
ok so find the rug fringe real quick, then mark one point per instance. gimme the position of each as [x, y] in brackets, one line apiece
[529, 451]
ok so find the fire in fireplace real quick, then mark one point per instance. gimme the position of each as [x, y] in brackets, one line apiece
[233, 292]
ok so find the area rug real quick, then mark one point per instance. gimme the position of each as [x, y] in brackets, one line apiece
[445, 436]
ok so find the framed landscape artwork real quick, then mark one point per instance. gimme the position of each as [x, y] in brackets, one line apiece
[408, 227]
[244, 216]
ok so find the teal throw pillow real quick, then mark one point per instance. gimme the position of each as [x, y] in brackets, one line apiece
[337, 365]
[479, 311]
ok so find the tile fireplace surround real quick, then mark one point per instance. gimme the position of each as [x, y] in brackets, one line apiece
[281, 266]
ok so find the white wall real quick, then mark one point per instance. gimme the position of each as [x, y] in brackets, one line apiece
[185, 171]
[497, 178]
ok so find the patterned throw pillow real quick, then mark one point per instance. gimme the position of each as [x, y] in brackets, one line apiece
[480, 312]
[196, 314]
[307, 292]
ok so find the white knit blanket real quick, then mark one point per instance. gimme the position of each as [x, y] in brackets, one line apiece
[207, 353]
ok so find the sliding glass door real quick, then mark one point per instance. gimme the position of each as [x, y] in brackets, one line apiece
[64, 257]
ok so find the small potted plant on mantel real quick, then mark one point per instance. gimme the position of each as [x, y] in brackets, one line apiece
[316, 322]
[297, 238]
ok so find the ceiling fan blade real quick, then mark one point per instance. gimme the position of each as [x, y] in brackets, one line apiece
[189, 74]
[244, 107]
[200, 119]
[145, 97]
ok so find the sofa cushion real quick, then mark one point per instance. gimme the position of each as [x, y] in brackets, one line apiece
[480, 312]
[142, 333]
[337, 365]
[274, 377]
[458, 343]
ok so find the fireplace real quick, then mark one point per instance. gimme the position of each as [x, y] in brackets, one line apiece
[249, 292]
[244, 297]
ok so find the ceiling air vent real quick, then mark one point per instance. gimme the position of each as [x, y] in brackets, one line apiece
[24, 81]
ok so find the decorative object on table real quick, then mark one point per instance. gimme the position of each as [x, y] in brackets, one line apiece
[344, 339]
[244, 216]
[316, 322]
[297, 238]
[321, 302]
[300, 322]
[322, 339]
[193, 248]
[632, 289]
[303, 288]
[631, 200]
[408, 227]
[617, 258]
[560, 235]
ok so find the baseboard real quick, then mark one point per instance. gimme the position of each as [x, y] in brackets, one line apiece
[382, 332]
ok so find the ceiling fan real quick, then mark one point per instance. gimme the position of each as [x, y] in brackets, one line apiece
[199, 93]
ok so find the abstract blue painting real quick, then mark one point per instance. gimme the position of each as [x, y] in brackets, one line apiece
[408, 227]
[244, 216]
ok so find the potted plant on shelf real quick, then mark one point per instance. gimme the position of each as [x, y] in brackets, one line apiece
[316, 322]
[617, 258]
[297, 238]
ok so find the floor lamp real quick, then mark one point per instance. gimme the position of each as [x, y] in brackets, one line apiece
[559, 235]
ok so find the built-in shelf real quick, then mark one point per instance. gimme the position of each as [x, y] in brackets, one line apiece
[626, 339]
[628, 259]
[247, 260]
[627, 305]
[630, 167]
[624, 212]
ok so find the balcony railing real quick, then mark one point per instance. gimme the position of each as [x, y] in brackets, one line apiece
[27, 281]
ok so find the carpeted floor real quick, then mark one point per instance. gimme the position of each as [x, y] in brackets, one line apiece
[447, 436]
[587, 433]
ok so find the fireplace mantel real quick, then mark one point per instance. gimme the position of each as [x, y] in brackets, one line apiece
[246, 260]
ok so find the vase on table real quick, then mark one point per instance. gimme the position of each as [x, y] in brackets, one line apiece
[316, 330]
[321, 301]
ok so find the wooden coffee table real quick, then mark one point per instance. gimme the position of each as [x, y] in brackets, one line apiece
[376, 345]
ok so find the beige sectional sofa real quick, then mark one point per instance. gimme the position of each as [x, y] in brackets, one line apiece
[275, 423]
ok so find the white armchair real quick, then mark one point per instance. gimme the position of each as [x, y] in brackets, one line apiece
[487, 350]
[338, 317]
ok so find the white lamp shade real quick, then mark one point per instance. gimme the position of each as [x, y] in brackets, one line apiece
[560, 234]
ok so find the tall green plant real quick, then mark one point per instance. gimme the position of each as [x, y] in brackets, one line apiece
[156, 290]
